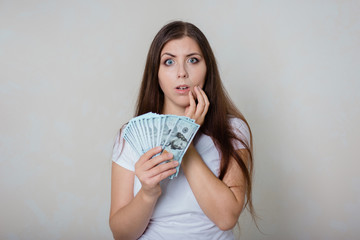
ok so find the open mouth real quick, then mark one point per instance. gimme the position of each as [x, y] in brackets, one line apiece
[182, 87]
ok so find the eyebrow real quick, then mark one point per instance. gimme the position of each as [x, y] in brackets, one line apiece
[188, 55]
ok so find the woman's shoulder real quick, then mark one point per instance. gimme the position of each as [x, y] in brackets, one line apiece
[119, 137]
[238, 123]
[240, 128]
[123, 153]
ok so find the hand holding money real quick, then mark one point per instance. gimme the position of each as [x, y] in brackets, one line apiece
[172, 133]
[150, 171]
[197, 111]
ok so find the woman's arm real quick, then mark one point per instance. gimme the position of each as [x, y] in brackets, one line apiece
[221, 201]
[129, 215]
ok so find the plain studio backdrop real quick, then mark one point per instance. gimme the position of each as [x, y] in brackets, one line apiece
[69, 78]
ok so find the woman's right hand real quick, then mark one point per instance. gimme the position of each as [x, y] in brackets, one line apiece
[150, 172]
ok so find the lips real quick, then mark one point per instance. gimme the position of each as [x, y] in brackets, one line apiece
[182, 89]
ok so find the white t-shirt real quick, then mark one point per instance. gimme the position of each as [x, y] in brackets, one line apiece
[177, 215]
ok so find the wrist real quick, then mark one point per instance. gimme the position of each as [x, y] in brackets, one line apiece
[189, 155]
[150, 196]
[189, 150]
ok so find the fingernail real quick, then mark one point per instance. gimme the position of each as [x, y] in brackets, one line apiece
[169, 155]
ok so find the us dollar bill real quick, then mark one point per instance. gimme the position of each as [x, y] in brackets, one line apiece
[180, 139]
[173, 133]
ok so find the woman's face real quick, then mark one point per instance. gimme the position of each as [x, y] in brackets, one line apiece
[182, 67]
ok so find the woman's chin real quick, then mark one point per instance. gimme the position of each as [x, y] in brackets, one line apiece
[185, 106]
[177, 107]
[184, 103]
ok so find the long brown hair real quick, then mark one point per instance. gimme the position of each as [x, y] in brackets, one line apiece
[216, 123]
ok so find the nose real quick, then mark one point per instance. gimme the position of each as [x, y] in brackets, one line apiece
[182, 72]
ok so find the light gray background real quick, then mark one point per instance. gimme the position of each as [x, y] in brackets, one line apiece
[69, 76]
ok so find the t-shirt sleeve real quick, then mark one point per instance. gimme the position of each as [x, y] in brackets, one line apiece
[123, 153]
[241, 130]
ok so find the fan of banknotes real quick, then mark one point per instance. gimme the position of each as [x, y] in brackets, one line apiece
[173, 133]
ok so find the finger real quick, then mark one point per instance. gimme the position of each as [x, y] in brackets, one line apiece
[201, 102]
[165, 156]
[165, 174]
[166, 167]
[191, 109]
[146, 156]
[146, 169]
[154, 180]
[207, 102]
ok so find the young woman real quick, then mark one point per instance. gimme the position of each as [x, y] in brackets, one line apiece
[214, 183]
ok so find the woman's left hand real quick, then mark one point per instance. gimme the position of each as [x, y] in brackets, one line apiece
[198, 111]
